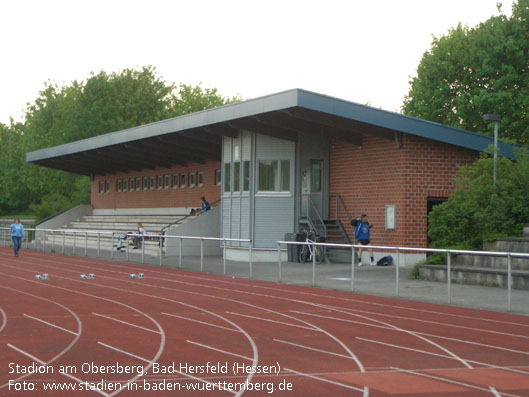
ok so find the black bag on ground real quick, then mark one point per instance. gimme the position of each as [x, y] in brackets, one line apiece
[385, 261]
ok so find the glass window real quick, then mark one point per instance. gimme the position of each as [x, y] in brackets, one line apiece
[101, 187]
[145, 183]
[125, 184]
[227, 177]
[246, 176]
[268, 175]
[285, 175]
[191, 179]
[138, 184]
[237, 176]
[131, 184]
[175, 181]
[118, 185]
[107, 186]
[159, 182]
[182, 180]
[315, 177]
[151, 182]
[218, 177]
[200, 178]
[166, 181]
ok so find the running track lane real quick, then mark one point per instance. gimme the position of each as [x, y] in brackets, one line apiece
[326, 342]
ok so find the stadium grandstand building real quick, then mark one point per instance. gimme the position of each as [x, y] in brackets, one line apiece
[276, 165]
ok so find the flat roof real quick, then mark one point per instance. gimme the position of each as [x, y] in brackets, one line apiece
[198, 136]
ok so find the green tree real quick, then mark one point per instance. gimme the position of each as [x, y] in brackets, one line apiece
[474, 71]
[101, 104]
[478, 211]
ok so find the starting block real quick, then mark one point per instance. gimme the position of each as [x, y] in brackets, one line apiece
[139, 276]
[42, 277]
[91, 276]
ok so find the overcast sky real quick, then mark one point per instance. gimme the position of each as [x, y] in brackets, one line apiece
[361, 50]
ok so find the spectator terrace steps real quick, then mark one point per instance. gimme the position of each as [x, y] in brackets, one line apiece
[120, 224]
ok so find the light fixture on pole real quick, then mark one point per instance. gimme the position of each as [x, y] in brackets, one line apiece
[495, 118]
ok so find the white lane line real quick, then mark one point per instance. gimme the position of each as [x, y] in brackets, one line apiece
[4, 319]
[494, 391]
[219, 350]
[313, 349]
[419, 333]
[67, 348]
[510, 369]
[254, 347]
[273, 321]
[200, 322]
[424, 339]
[45, 364]
[51, 325]
[446, 380]
[26, 354]
[431, 322]
[162, 333]
[126, 323]
[105, 267]
[330, 381]
[286, 369]
[124, 352]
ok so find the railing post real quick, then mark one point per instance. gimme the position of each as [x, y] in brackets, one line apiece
[85, 243]
[142, 249]
[279, 259]
[313, 264]
[397, 269]
[53, 241]
[509, 281]
[449, 275]
[201, 254]
[112, 248]
[127, 256]
[73, 248]
[251, 260]
[224, 257]
[99, 244]
[352, 269]
[161, 249]
[63, 235]
[180, 254]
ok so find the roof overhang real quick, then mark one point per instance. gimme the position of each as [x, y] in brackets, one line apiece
[197, 137]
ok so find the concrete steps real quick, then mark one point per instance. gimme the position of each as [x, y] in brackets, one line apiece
[120, 224]
[487, 270]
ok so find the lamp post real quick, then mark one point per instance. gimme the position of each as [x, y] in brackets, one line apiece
[496, 118]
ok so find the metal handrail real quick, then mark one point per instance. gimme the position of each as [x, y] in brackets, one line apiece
[313, 205]
[398, 250]
[163, 229]
[338, 200]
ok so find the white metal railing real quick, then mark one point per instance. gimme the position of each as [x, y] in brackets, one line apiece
[62, 233]
[398, 250]
[161, 238]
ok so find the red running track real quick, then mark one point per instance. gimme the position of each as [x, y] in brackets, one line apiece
[182, 333]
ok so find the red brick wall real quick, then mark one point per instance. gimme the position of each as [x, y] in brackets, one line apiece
[165, 198]
[378, 174]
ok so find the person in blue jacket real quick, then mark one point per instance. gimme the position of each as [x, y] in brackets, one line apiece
[205, 205]
[362, 235]
[17, 234]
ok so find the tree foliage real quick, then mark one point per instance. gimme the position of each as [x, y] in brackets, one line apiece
[100, 104]
[475, 71]
[478, 211]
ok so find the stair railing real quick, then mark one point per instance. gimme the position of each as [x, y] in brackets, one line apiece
[317, 218]
[179, 220]
[339, 204]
